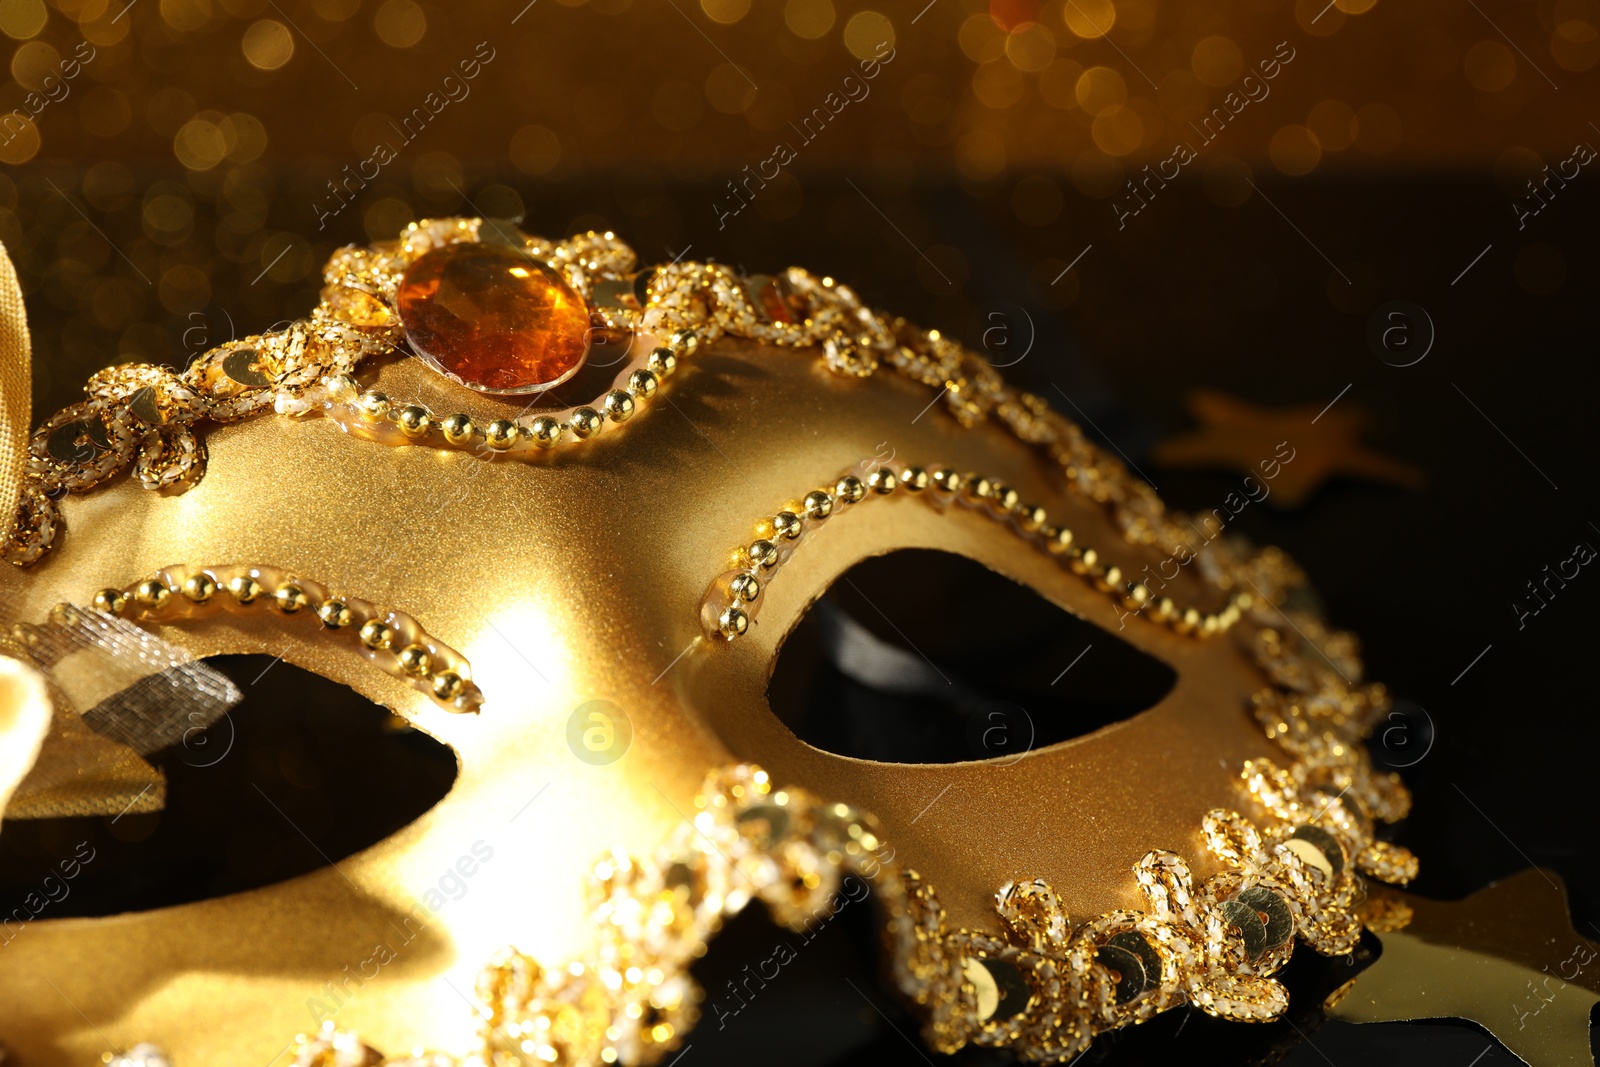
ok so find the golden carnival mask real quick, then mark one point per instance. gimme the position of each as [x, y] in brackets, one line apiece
[370, 494]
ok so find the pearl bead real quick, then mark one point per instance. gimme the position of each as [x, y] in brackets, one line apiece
[662, 362]
[244, 589]
[374, 405]
[447, 685]
[152, 593]
[415, 660]
[585, 422]
[335, 615]
[818, 504]
[110, 601]
[642, 384]
[763, 553]
[619, 406]
[733, 623]
[376, 635]
[500, 434]
[544, 431]
[414, 421]
[198, 588]
[685, 342]
[290, 598]
[458, 429]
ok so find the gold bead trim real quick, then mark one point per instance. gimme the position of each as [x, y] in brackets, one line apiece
[393, 641]
[734, 598]
[376, 417]
[144, 414]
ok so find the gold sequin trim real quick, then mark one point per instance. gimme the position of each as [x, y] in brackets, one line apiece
[1046, 983]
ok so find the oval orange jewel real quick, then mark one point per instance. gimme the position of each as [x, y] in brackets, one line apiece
[493, 319]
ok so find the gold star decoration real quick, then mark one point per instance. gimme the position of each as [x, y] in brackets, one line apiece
[1320, 443]
[1506, 958]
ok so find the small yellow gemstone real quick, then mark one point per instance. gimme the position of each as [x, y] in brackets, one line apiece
[493, 318]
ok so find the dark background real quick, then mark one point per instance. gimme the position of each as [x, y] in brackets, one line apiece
[1212, 285]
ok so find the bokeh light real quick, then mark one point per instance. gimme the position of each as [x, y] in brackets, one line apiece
[400, 23]
[868, 34]
[726, 12]
[22, 19]
[268, 44]
[1089, 19]
[809, 18]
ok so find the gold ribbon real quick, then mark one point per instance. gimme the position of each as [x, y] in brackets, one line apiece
[16, 386]
[75, 771]
[24, 718]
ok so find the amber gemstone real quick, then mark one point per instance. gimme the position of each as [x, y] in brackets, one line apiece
[493, 319]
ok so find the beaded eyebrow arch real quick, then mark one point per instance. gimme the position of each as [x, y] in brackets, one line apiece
[393, 641]
[734, 596]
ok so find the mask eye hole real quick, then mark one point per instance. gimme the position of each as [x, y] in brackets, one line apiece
[923, 656]
[302, 772]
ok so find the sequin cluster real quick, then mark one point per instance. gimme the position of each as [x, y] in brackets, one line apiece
[1043, 985]
[146, 415]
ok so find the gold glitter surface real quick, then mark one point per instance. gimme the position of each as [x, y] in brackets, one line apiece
[573, 581]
